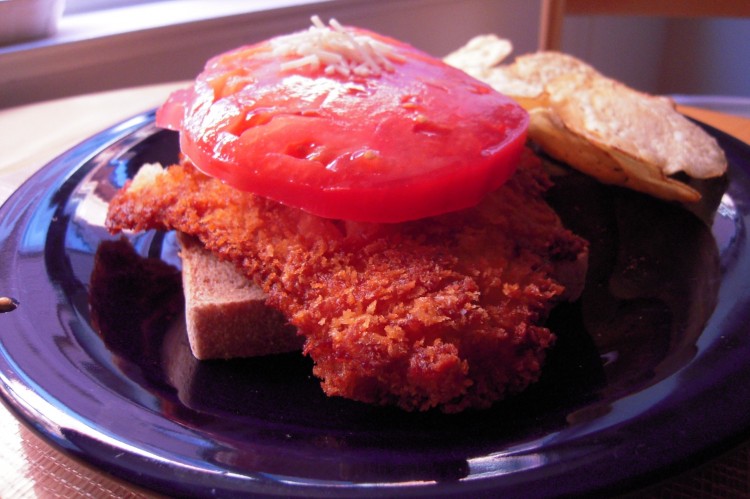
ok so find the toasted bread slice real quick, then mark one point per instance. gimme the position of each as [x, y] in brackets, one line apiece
[597, 125]
[225, 313]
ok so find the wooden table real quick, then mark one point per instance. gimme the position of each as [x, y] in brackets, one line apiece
[29, 467]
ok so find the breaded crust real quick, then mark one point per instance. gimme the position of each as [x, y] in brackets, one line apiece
[442, 312]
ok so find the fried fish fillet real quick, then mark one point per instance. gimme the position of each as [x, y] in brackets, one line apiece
[443, 312]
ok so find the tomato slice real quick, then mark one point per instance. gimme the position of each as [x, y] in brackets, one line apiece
[419, 139]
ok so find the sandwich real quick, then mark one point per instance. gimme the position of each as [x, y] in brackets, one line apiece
[385, 203]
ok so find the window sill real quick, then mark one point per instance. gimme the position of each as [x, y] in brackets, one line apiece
[119, 21]
[170, 40]
[133, 40]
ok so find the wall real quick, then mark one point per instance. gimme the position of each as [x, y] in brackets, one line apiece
[666, 56]
[707, 57]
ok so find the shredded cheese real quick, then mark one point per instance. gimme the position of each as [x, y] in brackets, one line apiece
[334, 50]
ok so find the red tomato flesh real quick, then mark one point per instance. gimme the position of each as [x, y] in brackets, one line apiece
[421, 140]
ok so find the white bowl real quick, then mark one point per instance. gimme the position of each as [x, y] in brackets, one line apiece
[22, 20]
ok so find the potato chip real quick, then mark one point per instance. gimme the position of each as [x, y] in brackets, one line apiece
[480, 54]
[606, 164]
[600, 126]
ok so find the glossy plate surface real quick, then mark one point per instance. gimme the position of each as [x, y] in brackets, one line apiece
[651, 372]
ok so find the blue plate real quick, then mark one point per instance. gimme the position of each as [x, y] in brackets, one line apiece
[650, 375]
